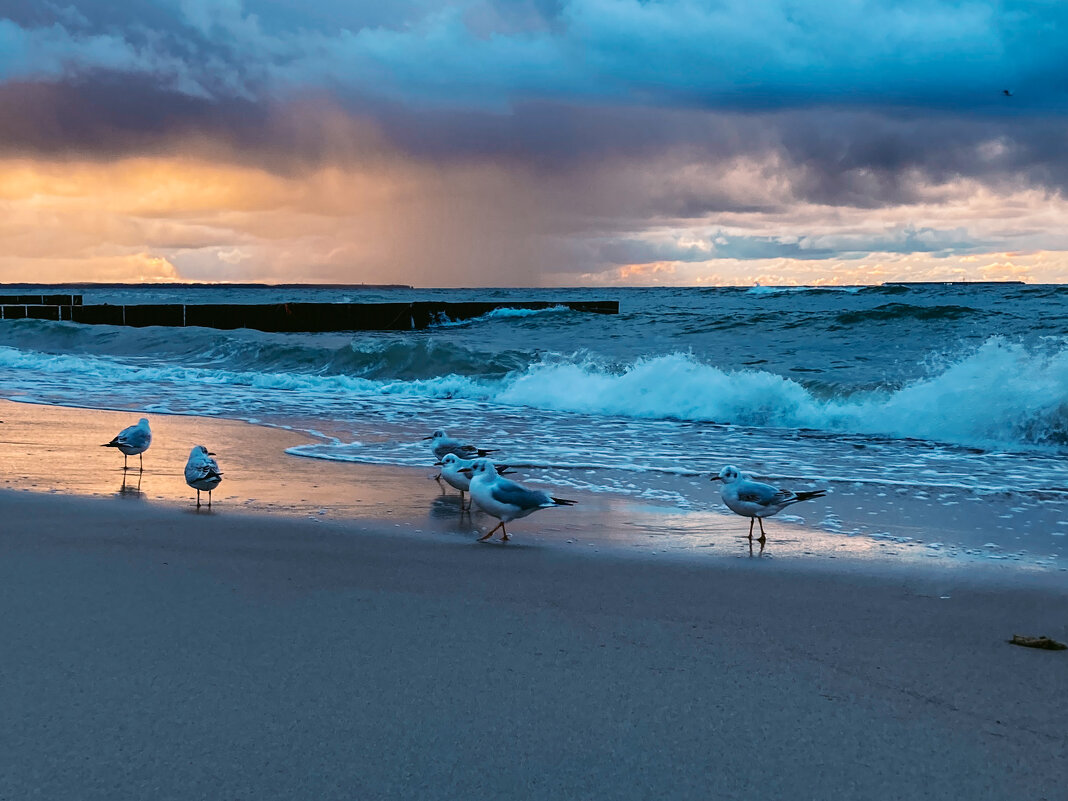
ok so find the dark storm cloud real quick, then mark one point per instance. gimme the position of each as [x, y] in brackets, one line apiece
[726, 54]
[857, 99]
[114, 115]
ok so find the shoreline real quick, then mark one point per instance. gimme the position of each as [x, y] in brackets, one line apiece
[260, 477]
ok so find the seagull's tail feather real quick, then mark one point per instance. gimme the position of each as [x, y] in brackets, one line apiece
[562, 502]
[113, 444]
[483, 452]
[808, 496]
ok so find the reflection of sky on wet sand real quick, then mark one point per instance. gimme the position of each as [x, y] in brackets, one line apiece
[57, 449]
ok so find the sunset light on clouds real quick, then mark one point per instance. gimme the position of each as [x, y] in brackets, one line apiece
[537, 142]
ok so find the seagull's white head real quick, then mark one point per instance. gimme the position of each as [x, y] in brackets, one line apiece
[480, 467]
[143, 422]
[728, 475]
[437, 435]
[449, 460]
[200, 450]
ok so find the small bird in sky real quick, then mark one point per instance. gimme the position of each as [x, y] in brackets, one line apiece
[133, 440]
[202, 472]
[504, 499]
[1006, 92]
[755, 500]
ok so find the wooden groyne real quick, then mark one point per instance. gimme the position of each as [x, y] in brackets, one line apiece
[286, 317]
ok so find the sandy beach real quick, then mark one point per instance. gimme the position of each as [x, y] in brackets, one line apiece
[150, 651]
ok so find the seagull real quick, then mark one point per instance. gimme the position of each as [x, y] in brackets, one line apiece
[442, 444]
[504, 499]
[133, 440]
[452, 467]
[1006, 92]
[755, 500]
[202, 472]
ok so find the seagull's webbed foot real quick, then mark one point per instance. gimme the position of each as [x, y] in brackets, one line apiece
[491, 532]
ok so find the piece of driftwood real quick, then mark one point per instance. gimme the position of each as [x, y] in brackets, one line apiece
[1037, 642]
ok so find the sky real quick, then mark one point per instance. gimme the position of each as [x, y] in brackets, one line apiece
[533, 142]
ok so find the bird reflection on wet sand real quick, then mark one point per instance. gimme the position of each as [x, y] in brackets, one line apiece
[129, 489]
[446, 506]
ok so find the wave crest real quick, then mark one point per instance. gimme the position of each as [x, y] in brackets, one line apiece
[893, 312]
[999, 395]
[506, 313]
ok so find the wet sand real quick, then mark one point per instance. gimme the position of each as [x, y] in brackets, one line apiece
[376, 651]
[57, 450]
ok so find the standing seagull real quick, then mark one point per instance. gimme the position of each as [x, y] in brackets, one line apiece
[756, 501]
[504, 499]
[442, 443]
[452, 470]
[202, 472]
[133, 440]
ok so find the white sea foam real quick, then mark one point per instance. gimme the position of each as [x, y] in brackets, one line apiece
[504, 313]
[758, 289]
[1002, 395]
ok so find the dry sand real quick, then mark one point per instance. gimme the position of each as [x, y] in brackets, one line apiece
[147, 651]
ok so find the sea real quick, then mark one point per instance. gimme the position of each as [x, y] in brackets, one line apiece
[936, 416]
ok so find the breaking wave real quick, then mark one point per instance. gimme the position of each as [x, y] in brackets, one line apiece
[501, 314]
[1000, 395]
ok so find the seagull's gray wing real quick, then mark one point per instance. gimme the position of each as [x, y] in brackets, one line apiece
[133, 436]
[203, 467]
[461, 449]
[513, 494]
[763, 494]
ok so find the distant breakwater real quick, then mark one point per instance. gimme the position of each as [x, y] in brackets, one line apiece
[280, 317]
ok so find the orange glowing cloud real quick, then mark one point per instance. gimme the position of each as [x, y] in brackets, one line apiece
[377, 216]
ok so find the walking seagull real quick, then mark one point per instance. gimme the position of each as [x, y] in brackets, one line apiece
[504, 499]
[133, 440]
[452, 467]
[442, 444]
[202, 472]
[755, 500]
